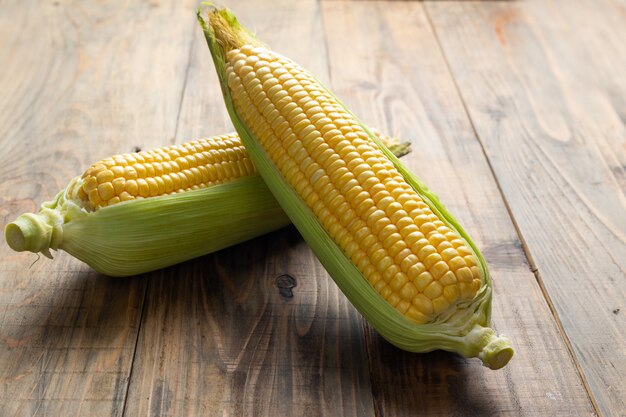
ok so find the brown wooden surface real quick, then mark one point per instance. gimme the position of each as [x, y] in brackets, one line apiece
[516, 115]
[548, 106]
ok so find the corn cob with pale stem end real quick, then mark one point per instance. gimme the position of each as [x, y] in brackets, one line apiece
[387, 241]
[179, 202]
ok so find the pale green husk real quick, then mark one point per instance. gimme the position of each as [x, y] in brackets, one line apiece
[464, 331]
[138, 236]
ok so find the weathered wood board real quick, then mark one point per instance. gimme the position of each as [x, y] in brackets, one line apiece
[516, 115]
[386, 63]
[78, 82]
[544, 86]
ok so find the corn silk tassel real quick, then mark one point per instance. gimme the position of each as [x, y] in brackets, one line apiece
[387, 241]
[134, 213]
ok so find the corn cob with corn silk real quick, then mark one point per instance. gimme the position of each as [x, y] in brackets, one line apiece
[134, 213]
[393, 249]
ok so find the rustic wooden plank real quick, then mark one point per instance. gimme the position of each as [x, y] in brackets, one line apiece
[79, 81]
[386, 65]
[258, 329]
[544, 86]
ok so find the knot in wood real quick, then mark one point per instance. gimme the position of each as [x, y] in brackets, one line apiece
[285, 283]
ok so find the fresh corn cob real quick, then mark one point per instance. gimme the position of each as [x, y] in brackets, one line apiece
[388, 242]
[133, 213]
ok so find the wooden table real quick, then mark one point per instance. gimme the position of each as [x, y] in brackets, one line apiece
[516, 112]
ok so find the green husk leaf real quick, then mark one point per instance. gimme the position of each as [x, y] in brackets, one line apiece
[465, 331]
[138, 236]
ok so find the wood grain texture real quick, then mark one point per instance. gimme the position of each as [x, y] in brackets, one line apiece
[259, 329]
[387, 67]
[79, 81]
[255, 330]
[544, 86]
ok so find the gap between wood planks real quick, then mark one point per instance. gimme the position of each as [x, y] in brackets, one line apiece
[132, 359]
[533, 266]
[149, 281]
[184, 88]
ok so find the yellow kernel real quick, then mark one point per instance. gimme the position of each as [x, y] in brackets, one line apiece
[176, 181]
[90, 184]
[464, 274]
[114, 200]
[413, 238]
[393, 298]
[423, 280]
[464, 251]
[94, 170]
[161, 185]
[403, 306]
[403, 221]
[448, 278]
[420, 219]
[149, 170]
[389, 235]
[118, 171]
[416, 270]
[465, 289]
[439, 269]
[169, 184]
[476, 286]
[390, 272]
[440, 304]
[401, 255]
[425, 249]
[470, 260]
[130, 173]
[427, 228]
[94, 197]
[451, 293]
[106, 191]
[124, 196]
[153, 186]
[131, 187]
[436, 238]
[398, 281]
[375, 279]
[158, 169]
[384, 263]
[456, 263]
[457, 243]
[385, 291]
[410, 205]
[449, 254]
[431, 260]
[416, 316]
[443, 246]
[141, 170]
[409, 291]
[144, 188]
[475, 271]
[104, 176]
[118, 185]
[433, 290]
[409, 262]
[423, 304]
